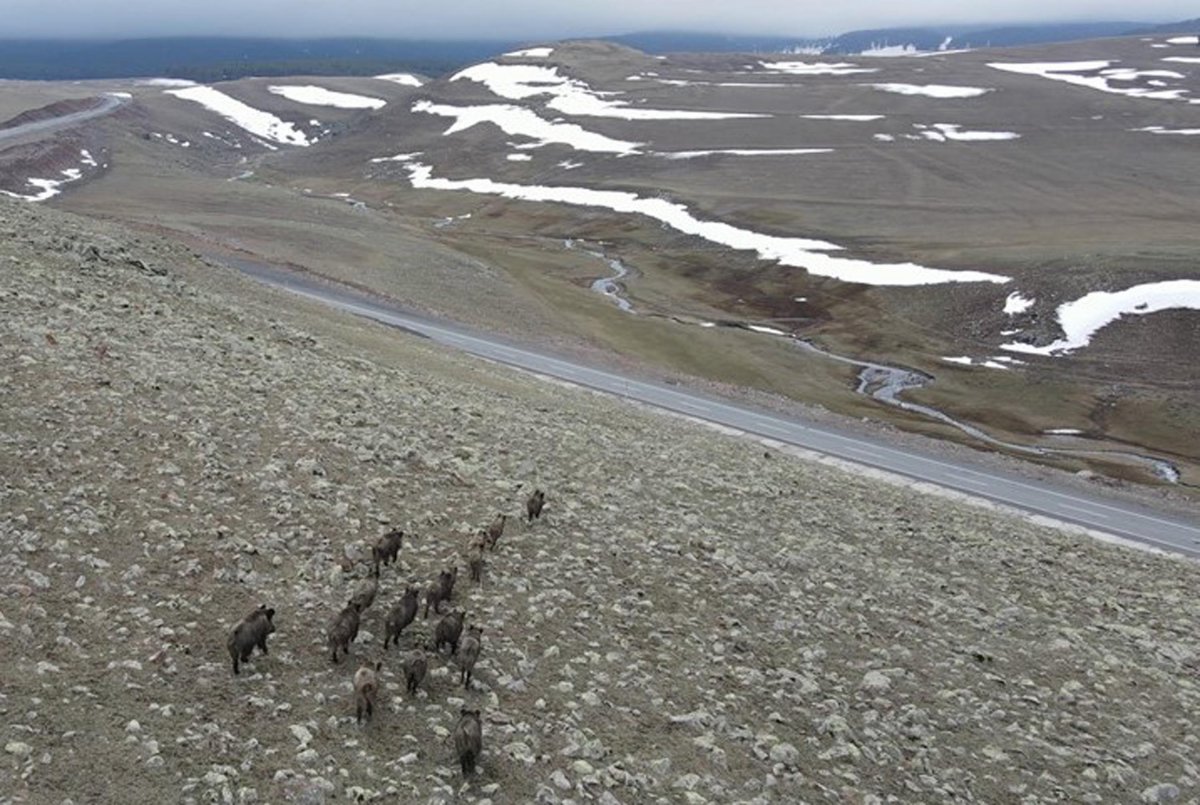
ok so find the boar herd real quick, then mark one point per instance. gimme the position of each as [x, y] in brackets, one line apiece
[252, 631]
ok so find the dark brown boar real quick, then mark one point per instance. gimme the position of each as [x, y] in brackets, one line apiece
[448, 631]
[386, 547]
[468, 739]
[534, 504]
[471, 644]
[439, 590]
[344, 629]
[414, 670]
[401, 615]
[251, 632]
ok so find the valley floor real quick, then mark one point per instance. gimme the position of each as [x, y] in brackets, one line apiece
[695, 619]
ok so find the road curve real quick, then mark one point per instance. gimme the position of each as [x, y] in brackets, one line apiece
[108, 104]
[1118, 518]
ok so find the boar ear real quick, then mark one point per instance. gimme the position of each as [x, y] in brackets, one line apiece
[270, 614]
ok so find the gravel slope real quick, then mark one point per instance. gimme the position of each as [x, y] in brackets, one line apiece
[694, 619]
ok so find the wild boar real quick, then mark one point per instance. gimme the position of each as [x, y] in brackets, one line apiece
[468, 739]
[475, 564]
[496, 530]
[366, 686]
[414, 670]
[401, 615]
[534, 504]
[448, 631]
[251, 632]
[439, 590]
[471, 644]
[344, 629]
[364, 594]
[386, 547]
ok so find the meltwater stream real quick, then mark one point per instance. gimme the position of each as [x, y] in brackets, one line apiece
[876, 380]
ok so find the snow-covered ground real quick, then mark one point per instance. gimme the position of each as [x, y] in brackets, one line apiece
[519, 121]
[319, 96]
[816, 68]
[257, 122]
[1100, 75]
[1084, 317]
[798, 252]
[571, 96]
[1183, 59]
[931, 90]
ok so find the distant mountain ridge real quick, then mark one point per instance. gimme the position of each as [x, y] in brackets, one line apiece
[222, 58]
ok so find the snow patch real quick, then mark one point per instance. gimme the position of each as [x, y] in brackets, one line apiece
[88, 159]
[743, 152]
[816, 68]
[47, 188]
[319, 96]
[571, 96]
[518, 157]
[1183, 59]
[1014, 303]
[1183, 40]
[931, 90]
[952, 131]
[166, 82]
[531, 53]
[851, 118]
[519, 121]
[1161, 130]
[1062, 431]
[404, 79]
[257, 122]
[798, 252]
[1070, 73]
[1084, 317]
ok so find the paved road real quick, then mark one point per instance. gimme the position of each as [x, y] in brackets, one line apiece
[108, 104]
[1118, 518]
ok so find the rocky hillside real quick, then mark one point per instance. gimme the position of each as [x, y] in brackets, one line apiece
[695, 618]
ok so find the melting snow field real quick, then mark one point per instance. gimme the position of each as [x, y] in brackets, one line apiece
[798, 252]
[1084, 317]
[319, 96]
[1069, 73]
[570, 96]
[519, 121]
[255, 121]
[403, 79]
[931, 90]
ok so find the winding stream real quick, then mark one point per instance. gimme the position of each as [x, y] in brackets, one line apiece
[879, 381]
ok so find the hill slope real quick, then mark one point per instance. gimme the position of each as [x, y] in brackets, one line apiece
[693, 616]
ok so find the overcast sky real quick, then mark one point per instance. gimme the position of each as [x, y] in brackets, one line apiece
[538, 19]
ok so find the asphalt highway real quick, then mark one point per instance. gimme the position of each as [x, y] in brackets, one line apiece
[40, 128]
[1092, 510]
